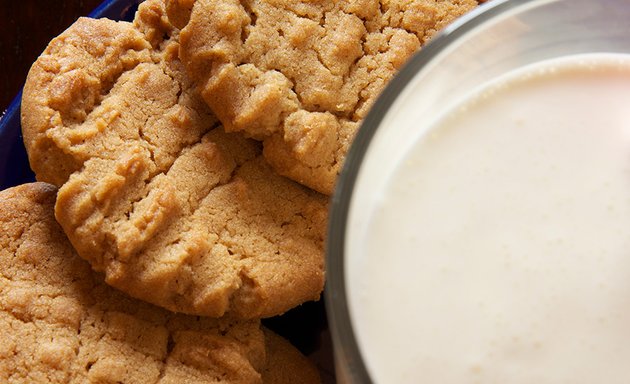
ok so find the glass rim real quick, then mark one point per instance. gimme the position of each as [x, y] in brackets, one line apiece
[335, 293]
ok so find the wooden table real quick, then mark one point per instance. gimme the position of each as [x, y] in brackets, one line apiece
[26, 27]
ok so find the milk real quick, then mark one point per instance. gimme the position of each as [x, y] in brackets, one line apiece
[499, 250]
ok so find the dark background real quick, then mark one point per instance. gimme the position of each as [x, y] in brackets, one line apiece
[26, 27]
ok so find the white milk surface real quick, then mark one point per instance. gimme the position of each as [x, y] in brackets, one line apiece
[500, 251]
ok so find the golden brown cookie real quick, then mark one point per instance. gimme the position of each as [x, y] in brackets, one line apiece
[301, 75]
[285, 364]
[59, 323]
[152, 191]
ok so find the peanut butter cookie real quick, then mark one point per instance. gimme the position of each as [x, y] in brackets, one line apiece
[59, 323]
[301, 75]
[153, 192]
[285, 364]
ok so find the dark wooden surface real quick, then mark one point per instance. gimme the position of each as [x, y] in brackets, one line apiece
[26, 27]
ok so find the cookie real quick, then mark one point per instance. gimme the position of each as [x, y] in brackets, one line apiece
[285, 364]
[60, 323]
[153, 192]
[302, 75]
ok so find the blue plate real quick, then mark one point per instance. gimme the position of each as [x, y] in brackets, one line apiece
[14, 167]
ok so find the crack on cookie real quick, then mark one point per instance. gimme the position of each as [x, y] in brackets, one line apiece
[179, 95]
[150, 147]
[170, 345]
[363, 100]
[111, 83]
[318, 54]
[79, 347]
[134, 203]
[381, 12]
[245, 31]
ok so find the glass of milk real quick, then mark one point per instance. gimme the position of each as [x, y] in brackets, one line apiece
[480, 230]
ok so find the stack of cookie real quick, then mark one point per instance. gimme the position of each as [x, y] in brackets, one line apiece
[60, 323]
[186, 160]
